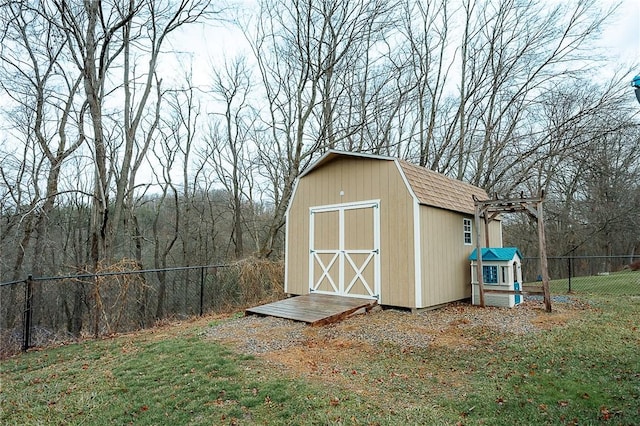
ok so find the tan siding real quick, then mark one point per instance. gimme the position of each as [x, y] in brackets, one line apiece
[360, 179]
[325, 233]
[445, 275]
[297, 238]
[445, 268]
[399, 283]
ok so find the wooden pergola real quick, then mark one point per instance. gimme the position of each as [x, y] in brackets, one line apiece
[488, 210]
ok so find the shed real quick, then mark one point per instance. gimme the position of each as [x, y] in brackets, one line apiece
[377, 227]
[501, 270]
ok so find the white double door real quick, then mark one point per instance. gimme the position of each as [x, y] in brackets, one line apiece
[344, 249]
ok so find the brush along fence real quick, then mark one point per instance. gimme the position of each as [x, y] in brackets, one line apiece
[40, 311]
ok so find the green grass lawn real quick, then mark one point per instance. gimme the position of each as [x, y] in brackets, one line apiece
[585, 371]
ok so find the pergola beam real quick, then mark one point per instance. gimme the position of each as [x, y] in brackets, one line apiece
[489, 210]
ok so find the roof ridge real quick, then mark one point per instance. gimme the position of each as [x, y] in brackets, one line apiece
[428, 170]
[439, 190]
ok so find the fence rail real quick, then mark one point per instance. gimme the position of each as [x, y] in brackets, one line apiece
[40, 311]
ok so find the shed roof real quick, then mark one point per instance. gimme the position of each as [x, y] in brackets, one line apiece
[503, 254]
[429, 187]
[438, 190]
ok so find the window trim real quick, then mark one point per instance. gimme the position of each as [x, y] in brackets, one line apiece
[489, 273]
[467, 231]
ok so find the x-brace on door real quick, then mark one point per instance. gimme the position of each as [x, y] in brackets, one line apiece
[344, 249]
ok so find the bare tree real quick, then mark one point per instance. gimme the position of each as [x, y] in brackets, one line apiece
[165, 227]
[104, 37]
[422, 51]
[515, 58]
[494, 93]
[183, 124]
[584, 156]
[306, 52]
[608, 195]
[47, 111]
[228, 145]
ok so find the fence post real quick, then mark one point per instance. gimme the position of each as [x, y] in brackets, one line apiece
[570, 264]
[98, 306]
[201, 291]
[28, 300]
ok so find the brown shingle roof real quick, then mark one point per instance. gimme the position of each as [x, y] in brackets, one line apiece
[437, 190]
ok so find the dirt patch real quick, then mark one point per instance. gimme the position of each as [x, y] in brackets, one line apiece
[561, 315]
[547, 321]
[330, 360]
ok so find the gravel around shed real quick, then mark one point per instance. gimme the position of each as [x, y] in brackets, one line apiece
[446, 326]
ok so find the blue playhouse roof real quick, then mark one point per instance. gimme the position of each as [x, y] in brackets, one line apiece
[496, 253]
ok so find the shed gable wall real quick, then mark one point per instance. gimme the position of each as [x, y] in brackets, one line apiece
[351, 180]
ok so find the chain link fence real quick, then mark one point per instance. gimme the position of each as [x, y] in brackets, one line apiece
[41, 311]
[614, 275]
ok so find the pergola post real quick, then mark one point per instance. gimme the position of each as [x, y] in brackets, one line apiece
[479, 274]
[542, 244]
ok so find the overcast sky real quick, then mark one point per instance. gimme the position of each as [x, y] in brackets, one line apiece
[622, 37]
[206, 45]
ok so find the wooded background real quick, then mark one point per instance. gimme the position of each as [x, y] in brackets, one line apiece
[110, 152]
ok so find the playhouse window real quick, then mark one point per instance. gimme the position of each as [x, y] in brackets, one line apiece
[466, 228]
[490, 274]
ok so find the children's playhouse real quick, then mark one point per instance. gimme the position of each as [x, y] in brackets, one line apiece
[501, 270]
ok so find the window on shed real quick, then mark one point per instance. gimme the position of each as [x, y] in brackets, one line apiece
[490, 274]
[466, 228]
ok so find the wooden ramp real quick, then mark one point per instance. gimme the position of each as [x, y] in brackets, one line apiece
[314, 309]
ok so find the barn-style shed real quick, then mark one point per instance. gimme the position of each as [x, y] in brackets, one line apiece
[378, 227]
